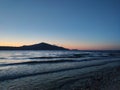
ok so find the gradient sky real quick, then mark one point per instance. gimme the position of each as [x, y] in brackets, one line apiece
[80, 24]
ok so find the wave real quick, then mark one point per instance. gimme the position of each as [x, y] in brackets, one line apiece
[62, 56]
[38, 62]
[2, 58]
[22, 75]
[55, 61]
[80, 55]
[51, 61]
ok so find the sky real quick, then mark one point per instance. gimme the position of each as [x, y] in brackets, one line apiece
[74, 24]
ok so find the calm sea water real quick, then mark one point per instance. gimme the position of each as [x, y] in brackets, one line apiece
[15, 64]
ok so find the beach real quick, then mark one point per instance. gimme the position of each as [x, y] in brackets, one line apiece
[59, 44]
[92, 74]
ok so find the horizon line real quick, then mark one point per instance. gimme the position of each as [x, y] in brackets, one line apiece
[59, 46]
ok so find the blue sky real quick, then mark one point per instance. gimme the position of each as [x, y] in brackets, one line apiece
[81, 24]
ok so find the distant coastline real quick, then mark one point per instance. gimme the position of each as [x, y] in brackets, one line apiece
[39, 46]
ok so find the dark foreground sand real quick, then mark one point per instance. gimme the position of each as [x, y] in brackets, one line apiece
[105, 78]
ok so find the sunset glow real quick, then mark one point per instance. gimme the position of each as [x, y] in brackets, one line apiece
[79, 24]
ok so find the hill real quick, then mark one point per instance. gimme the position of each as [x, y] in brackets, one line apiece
[39, 46]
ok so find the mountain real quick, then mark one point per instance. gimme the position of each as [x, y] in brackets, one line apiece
[40, 46]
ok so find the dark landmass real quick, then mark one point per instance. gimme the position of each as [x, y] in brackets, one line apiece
[40, 46]
[75, 50]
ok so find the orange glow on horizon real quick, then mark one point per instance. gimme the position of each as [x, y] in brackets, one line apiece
[92, 47]
[16, 44]
[66, 45]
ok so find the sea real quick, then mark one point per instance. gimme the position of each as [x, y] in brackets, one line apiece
[36, 68]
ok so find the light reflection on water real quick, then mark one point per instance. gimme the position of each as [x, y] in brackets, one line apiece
[21, 56]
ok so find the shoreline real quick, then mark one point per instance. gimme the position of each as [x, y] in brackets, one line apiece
[106, 78]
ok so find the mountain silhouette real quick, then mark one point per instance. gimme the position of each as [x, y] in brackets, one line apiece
[39, 46]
